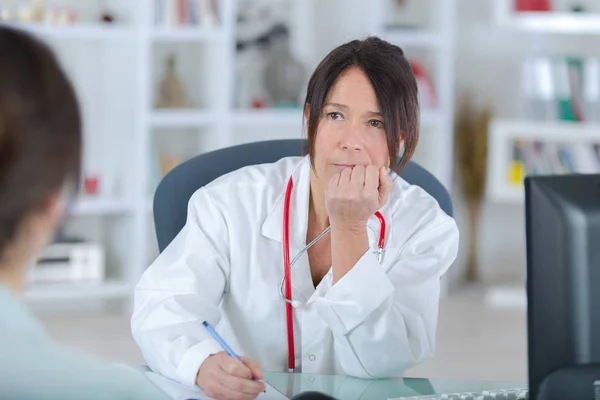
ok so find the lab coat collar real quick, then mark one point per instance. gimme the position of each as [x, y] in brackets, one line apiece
[273, 225]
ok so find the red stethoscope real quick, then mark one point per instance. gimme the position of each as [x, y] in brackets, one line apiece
[287, 266]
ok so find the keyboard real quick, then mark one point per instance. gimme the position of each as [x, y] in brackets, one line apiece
[500, 394]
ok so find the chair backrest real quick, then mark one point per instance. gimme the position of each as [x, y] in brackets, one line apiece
[175, 189]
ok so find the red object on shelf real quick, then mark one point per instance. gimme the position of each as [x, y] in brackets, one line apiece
[259, 103]
[425, 84]
[532, 5]
[91, 184]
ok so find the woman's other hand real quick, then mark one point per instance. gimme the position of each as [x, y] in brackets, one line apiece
[224, 378]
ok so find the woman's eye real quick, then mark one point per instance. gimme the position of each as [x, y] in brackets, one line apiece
[334, 115]
[376, 123]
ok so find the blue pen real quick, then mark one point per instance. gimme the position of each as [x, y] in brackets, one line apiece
[224, 345]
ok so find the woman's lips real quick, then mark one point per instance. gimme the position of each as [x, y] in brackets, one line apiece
[344, 165]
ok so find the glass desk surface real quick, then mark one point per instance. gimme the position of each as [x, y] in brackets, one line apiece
[347, 388]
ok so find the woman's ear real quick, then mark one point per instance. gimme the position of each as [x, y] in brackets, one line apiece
[397, 151]
[400, 142]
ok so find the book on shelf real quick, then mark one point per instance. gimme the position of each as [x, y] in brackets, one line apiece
[532, 5]
[538, 158]
[186, 13]
[425, 84]
[563, 88]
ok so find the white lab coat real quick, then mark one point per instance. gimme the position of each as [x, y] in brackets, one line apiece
[226, 266]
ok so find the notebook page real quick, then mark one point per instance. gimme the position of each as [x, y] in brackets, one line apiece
[178, 391]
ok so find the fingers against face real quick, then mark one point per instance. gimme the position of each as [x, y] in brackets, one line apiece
[358, 176]
[345, 176]
[371, 178]
[385, 186]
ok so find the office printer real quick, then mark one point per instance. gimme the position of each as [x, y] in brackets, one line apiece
[69, 262]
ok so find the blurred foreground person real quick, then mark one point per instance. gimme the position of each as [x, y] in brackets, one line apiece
[40, 154]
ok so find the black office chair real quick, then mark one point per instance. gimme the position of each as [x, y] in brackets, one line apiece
[174, 191]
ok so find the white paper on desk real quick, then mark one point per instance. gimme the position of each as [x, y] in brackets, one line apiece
[178, 391]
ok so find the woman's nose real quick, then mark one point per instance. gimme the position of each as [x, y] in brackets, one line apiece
[352, 140]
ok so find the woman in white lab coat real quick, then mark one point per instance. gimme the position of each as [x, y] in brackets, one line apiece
[354, 313]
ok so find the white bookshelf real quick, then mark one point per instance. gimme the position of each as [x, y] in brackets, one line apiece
[129, 52]
[503, 134]
[208, 126]
[505, 131]
[436, 40]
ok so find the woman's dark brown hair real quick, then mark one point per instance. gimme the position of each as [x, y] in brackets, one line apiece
[40, 130]
[393, 82]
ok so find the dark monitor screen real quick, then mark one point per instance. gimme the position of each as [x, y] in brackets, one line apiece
[563, 285]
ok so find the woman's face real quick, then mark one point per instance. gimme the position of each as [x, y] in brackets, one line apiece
[350, 130]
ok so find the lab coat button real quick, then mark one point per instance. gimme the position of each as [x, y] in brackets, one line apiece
[312, 357]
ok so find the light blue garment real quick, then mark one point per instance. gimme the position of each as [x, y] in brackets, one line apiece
[33, 367]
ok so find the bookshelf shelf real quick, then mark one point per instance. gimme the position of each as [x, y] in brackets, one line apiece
[100, 206]
[77, 292]
[556, 131]
[554, 22]
[78, 31]
[186, 34]
[412, 38]
[181, 118]
[553, 147]
[546, 21]
[292, 117]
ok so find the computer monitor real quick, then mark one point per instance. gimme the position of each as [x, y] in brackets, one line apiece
[563, 286]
